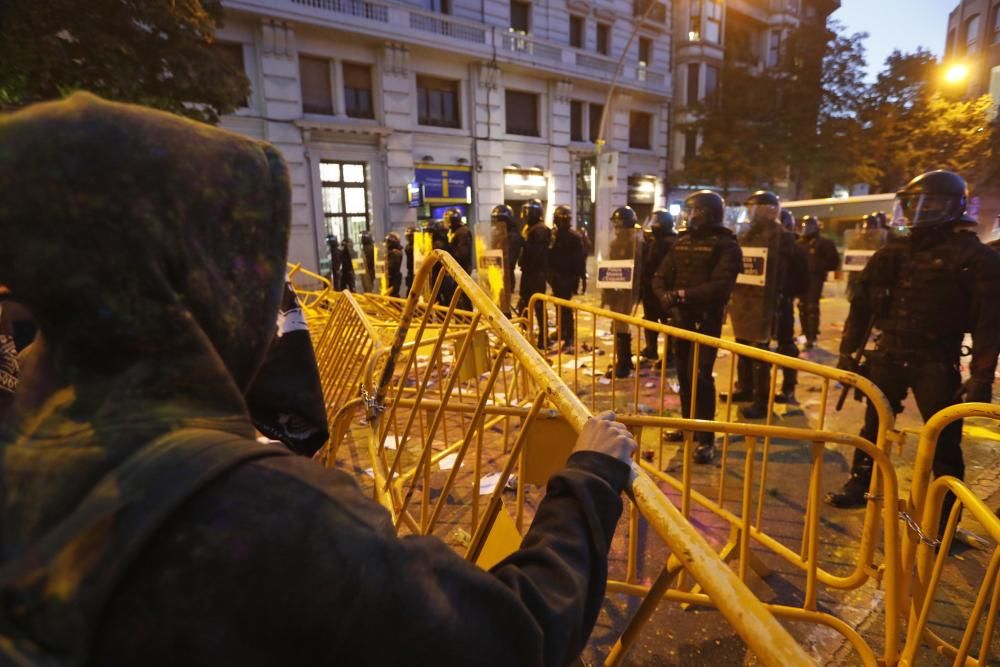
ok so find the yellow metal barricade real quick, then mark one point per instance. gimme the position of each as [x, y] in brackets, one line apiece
[736, 495]
[453, 422]
[930, 552]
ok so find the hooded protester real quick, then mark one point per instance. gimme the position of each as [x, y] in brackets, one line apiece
[148, 336]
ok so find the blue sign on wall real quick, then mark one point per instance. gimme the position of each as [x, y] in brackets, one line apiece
[444, 184]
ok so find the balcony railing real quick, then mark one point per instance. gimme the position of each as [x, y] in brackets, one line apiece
[394, 21]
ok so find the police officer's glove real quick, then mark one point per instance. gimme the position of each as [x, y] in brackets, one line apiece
[975, 390]
[671, 299]
[848, 363]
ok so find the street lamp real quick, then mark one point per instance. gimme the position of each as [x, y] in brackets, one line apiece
[956, 73]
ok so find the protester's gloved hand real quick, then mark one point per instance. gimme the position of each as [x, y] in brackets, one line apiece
[848, 363]
[975, 390]
[671, 299]
[604, 435]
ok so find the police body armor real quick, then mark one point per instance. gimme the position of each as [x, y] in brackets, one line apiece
[625, 247]
[859, 246]
[493, 263]
[920, 309]
[755, 297]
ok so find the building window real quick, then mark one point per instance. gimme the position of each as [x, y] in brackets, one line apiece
[950, 44]
[693, 73]
[358, 91]
[575, 120]
[972, 35]
[711, 79]
[694, 21]
[522, 113]
[439, 6]
[577, 30]
[345, 193]
[232, 54]
[640, 127]
[774, 49]
[437, 102]
[645, 51]
[317, 94]
[520, 16]
[713, 21]
[690, 144]
[604, 39]
[595, 111]
[996, 25]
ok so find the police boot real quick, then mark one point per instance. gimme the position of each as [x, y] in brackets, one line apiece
[854, 492]
[650, 352]
[744, 382]
[704, 451]
[623, 353]
[761, 387]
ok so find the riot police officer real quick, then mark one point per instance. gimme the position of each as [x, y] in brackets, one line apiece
[693, 283]
[393, 264]
[408, 253]
[348, 280]
[567, 268]
[336, 260]
[439, 241]
[460, 238]
[515, 244]
[794, 284]
[625, 244]
[368, 257]
[772, 253]
[534, 262]
[661, 238]
[823, 257]
[923, 292]
[498, 282]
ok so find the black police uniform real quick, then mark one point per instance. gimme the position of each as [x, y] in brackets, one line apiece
[922, 293]
[408, 255]
[336, 261]
[393, 267]
[348, 280]
[654, 251]
[694, 282]
[794, 284]
[534, 267]
[823, 257]
[567, 269]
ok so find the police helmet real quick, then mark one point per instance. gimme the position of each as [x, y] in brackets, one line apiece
[502, 213]
[533, 212]
[562, 216]
[702, 209]
[788, 220]
[410, 231]
[809, 226]
[453, 218]
[623, 218]
[762, 206]
[661, 224]
[332, 241]
[392, 241]
[931, 199]
[366, 238]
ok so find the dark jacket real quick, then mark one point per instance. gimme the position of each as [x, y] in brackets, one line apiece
[567, 263]
[704, 265]
[460, 247]
[653, 253]
[394, 271]
[925, 292]
[822, 254]
[279, 561]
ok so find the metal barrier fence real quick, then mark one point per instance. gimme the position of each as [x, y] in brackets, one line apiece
[738, 494]
[930, 550]
[482, 396]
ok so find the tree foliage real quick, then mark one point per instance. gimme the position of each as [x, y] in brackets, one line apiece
[159, 53]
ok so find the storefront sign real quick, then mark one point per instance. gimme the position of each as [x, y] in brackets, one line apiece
[521, 185]
[414, 195]
[754, 267]
[641, 190]
[444, 183]
[615, 274]
[856, 260]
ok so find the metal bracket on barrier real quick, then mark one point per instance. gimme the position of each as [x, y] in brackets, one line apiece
[372, 406]
[918, 531]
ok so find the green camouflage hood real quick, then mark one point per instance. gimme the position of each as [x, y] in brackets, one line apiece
[151, 251]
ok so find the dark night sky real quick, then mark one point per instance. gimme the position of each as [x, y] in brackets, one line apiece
[896, 24]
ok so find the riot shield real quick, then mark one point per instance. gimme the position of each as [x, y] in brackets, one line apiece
[619, 269]
[859, 246]
[423, 244]
[492, 262]
[753, 305]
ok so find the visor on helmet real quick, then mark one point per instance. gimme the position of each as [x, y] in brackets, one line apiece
[925, 210]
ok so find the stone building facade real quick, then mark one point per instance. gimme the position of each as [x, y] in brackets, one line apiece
[974, 40]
